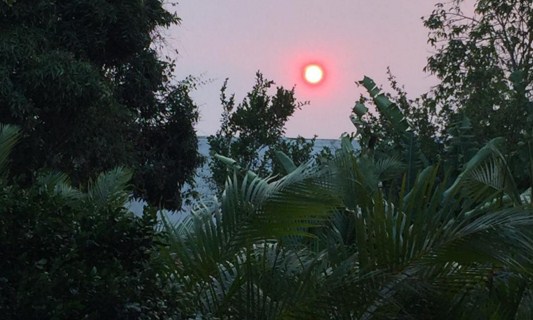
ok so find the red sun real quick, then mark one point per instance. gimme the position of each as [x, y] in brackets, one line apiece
[313, 74]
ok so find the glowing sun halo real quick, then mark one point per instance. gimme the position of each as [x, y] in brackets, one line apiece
[313, 74]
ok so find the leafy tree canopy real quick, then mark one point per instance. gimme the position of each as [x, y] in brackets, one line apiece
[253, 130]
[485, 64]
[83, 81]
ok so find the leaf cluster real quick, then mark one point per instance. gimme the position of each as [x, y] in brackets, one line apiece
[85, 83]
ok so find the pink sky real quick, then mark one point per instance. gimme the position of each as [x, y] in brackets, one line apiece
[351, 38]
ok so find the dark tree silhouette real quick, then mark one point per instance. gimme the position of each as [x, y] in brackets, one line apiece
[84, 82]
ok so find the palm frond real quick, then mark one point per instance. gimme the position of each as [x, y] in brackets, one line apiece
[486, 171]
[9, 136]
[389, 168]
[110, 187]
[210, 243]
[59, 184]
[285, 161]
[327, 242]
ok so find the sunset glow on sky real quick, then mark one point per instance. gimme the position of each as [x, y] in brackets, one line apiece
[236, 38]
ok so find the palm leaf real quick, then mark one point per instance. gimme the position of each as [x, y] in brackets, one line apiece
[9, 136]
[486, 172]
[413, 156]
[285, 161]
[109, 187]
[59, 183]
[211, 242]
[389, 168]
[426, 231]
[327, 243]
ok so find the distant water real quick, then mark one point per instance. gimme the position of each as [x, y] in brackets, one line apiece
[203, 184]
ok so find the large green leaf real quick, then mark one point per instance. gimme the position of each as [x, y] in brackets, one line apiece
[386, 107]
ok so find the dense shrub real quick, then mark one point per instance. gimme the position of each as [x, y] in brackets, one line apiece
[69, 258]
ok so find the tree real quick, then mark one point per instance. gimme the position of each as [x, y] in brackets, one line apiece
[85, 84]
[253, 130]
[68, 253]
[485, 65]
[384, 130]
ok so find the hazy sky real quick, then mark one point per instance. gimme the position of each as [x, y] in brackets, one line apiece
[351, 38]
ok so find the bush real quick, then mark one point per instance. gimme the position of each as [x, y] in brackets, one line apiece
[66, 257]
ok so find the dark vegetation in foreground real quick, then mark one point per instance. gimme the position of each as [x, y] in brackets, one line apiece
[430, 219]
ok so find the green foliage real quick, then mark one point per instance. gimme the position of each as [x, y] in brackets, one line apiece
[326, 242]
[391, 137]
[462, 144]
[227, 258]
[63, 261]
[373, 233]
[9, 136]
[485, 65]
[72, 254]
[251, 131]
[398, 132]
[87, 88]
[424, 221]
[384, 130]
